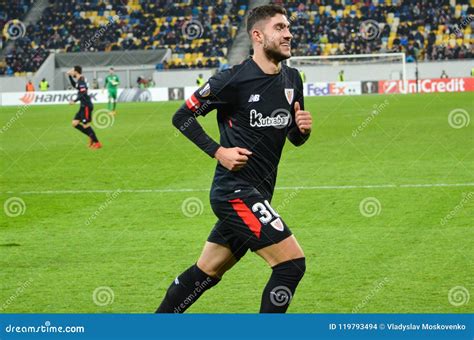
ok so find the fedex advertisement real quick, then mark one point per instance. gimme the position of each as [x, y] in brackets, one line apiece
[332, 89]
[427, 85]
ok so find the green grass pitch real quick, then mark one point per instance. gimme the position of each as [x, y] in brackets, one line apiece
[77, 233]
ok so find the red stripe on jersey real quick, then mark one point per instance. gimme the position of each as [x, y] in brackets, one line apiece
[230, 122]
[247, 216]
[87, 112]
[193, 103]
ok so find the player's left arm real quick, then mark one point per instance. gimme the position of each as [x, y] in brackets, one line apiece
[300, 128]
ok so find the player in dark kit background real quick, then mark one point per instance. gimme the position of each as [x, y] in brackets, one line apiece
[259, 104]
[82, 119]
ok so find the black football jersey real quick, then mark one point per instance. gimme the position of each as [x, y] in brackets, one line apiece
[82, 91]
[255, 111]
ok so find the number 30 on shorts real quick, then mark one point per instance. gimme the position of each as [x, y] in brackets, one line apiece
[266, 211]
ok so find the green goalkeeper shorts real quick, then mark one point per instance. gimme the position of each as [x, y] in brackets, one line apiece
[112, 93]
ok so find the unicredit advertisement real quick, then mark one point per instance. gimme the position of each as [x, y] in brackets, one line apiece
[427, 85]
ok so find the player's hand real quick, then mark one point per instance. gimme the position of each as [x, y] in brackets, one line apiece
[71, 102]
[304, 121]
[70, 72]
[232, 159]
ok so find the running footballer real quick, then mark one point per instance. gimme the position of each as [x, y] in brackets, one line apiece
[82, 119]
[259, 105]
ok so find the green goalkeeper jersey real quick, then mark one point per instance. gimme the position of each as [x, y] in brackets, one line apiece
[112, 81]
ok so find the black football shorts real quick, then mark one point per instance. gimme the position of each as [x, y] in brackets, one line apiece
[247, 222]
[84, 115]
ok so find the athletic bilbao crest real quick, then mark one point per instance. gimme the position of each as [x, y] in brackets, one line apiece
[277, 224]
[289, 95]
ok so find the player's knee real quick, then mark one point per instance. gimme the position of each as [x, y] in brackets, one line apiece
[210, 269]
[74, 123]
[291, 271]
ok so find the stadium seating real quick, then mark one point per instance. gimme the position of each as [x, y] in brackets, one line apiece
[14, 9]
[426, 30]
[199, 33]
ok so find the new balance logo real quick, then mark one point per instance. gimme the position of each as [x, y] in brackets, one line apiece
[254, 98]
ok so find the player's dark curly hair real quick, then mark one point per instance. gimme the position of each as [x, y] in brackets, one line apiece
[261, 13]
[78, 69]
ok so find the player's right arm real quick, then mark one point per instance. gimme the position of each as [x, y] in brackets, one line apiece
[217, 91]
[72, 81]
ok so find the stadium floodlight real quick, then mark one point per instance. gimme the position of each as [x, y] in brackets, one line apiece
[354, 67]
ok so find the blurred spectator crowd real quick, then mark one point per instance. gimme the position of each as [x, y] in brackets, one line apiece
[199, 33]
[424, 30]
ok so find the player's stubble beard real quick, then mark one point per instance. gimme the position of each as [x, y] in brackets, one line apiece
[271, 49]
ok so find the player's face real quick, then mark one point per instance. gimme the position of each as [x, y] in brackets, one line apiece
[277, 38]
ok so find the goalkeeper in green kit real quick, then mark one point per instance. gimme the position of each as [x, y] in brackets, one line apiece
[112, 82]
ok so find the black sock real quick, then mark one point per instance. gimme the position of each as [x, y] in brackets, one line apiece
[281, 287]
[82, 129]
[91, 134]
[185, 290]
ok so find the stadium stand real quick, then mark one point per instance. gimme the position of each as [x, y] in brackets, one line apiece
[199, 33]
[426, 30]
[15, 9]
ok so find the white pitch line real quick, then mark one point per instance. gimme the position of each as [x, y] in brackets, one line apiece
[316, 187]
